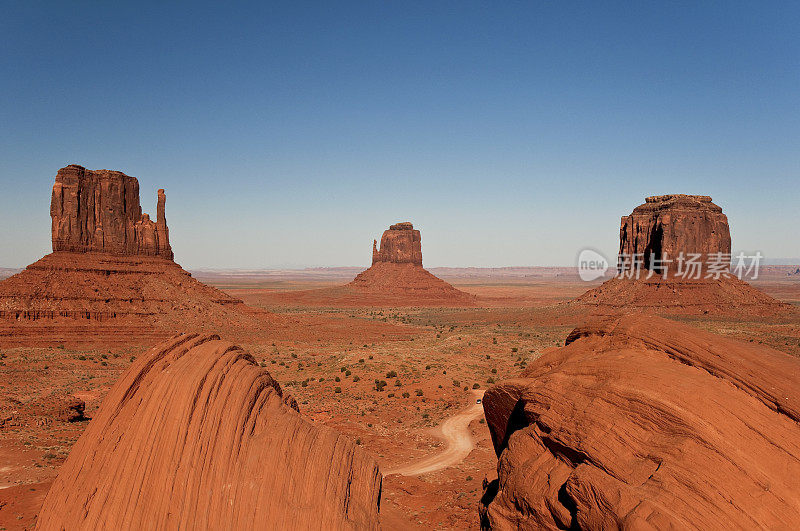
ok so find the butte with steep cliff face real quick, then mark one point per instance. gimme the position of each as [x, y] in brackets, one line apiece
[397, 273]
[111, 275]
[674, 257]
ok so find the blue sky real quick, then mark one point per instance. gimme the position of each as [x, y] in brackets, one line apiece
[511, 133]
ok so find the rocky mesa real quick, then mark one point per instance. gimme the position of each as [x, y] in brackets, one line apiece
[397, 274]
[111, 275]
[99, 210]
[674, 257]
[643, 423]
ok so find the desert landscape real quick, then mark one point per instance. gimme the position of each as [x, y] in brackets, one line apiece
[423, 266]
[388, 366]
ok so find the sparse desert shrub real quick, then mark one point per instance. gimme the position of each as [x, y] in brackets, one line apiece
[322, 379]
[304, 383]
[83, 358]
[476, 386]
[390, 395]
[371, 356]
[426, 416]
[490, 380]
[337, 389]
[347, 373]
[337, 379]
[380, 385]
[391, 374]
[361, 360]
[456, 383]
[494, 340]
[469, 478]
[514, 349]
[418, 392]
[427, 367]
[356, 378]
[294, 355]
[406, 394]
[397, 383]
[342, 369]
[494, 371]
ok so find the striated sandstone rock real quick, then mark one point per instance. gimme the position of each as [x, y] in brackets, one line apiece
[667, 225]
[643, 423]
[99, 210]
[195, 435]
[401, 244]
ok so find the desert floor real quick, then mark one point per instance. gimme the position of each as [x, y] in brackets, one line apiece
[432, 360]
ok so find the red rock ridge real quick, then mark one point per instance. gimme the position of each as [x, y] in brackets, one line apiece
[643, 423]
[195, 435]
[99, 210]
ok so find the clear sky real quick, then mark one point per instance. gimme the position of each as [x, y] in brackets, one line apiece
[511, 133]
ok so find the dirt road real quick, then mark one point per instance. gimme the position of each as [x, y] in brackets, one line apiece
[455, 432]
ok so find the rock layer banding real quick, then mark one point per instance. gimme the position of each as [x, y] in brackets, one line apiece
[195, 435]
[642, 423]
[99, 210]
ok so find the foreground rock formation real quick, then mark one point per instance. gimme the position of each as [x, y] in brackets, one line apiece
[642, 423]
[111, 275]
[195, 435]
[397, 273]
[674, 256]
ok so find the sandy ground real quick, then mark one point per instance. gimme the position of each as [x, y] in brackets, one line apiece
[335, 361]
[457, 437]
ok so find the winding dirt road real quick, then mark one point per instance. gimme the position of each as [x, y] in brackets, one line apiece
[455, 432]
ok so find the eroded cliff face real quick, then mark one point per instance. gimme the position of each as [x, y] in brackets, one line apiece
[195, 435]
[401, 244]
[644, 423]
[99, 211]
[666, 226]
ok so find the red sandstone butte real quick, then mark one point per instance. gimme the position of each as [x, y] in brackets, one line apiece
[664, 228]
[111, 275]
[195, 435]
[667, 225]
[397, 276]
[401, 244]
[99, 210]
[643, 423]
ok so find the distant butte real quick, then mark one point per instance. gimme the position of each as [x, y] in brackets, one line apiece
[99, 210]
[397, 271]
[111, 276]
[651, 276]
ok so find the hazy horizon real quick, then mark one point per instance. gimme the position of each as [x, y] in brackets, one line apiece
[291, 136]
